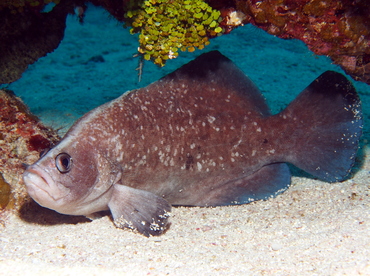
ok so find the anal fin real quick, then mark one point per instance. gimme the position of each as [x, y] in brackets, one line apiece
[139, 210]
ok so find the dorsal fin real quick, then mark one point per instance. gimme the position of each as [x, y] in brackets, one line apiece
[217, 71]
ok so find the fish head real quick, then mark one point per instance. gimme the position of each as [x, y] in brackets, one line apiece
[73, 182]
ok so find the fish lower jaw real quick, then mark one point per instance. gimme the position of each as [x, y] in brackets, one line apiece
[46, 194]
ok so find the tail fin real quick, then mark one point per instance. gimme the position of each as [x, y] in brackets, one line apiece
[328, 124]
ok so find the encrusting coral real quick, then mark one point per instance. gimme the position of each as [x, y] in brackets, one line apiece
[22, 138]
[27, 33]
[337, 29]
[167, 26]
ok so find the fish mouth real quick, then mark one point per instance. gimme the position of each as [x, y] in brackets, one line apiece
[42, 188]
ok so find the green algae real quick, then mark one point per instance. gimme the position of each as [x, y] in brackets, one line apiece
[165, 27]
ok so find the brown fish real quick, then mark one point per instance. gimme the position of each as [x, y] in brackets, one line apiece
[201, 136]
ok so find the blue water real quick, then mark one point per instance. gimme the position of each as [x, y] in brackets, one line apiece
[67, 83]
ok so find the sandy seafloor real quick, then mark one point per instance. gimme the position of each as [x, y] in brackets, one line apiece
[314, 228]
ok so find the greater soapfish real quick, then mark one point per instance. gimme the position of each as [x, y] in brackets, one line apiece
[200, 136]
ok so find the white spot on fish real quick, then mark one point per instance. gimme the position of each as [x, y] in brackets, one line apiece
[120, 157]
[211, 119]
[237, 144]
[199, 165]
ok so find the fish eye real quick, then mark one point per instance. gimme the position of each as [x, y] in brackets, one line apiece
[63, 162]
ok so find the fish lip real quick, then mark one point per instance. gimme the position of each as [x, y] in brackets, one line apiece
[40, 184]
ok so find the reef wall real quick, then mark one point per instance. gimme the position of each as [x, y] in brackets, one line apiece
[338, 29]
[22, 138]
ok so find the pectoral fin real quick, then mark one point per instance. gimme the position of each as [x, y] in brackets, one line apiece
[139, 210]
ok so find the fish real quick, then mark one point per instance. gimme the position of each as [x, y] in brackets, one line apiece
[202, 135]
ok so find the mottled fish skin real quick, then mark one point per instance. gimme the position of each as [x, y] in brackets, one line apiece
[201, 136]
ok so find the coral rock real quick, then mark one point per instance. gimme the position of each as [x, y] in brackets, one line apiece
[26, 34]
[22, 138]
[338, 29]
